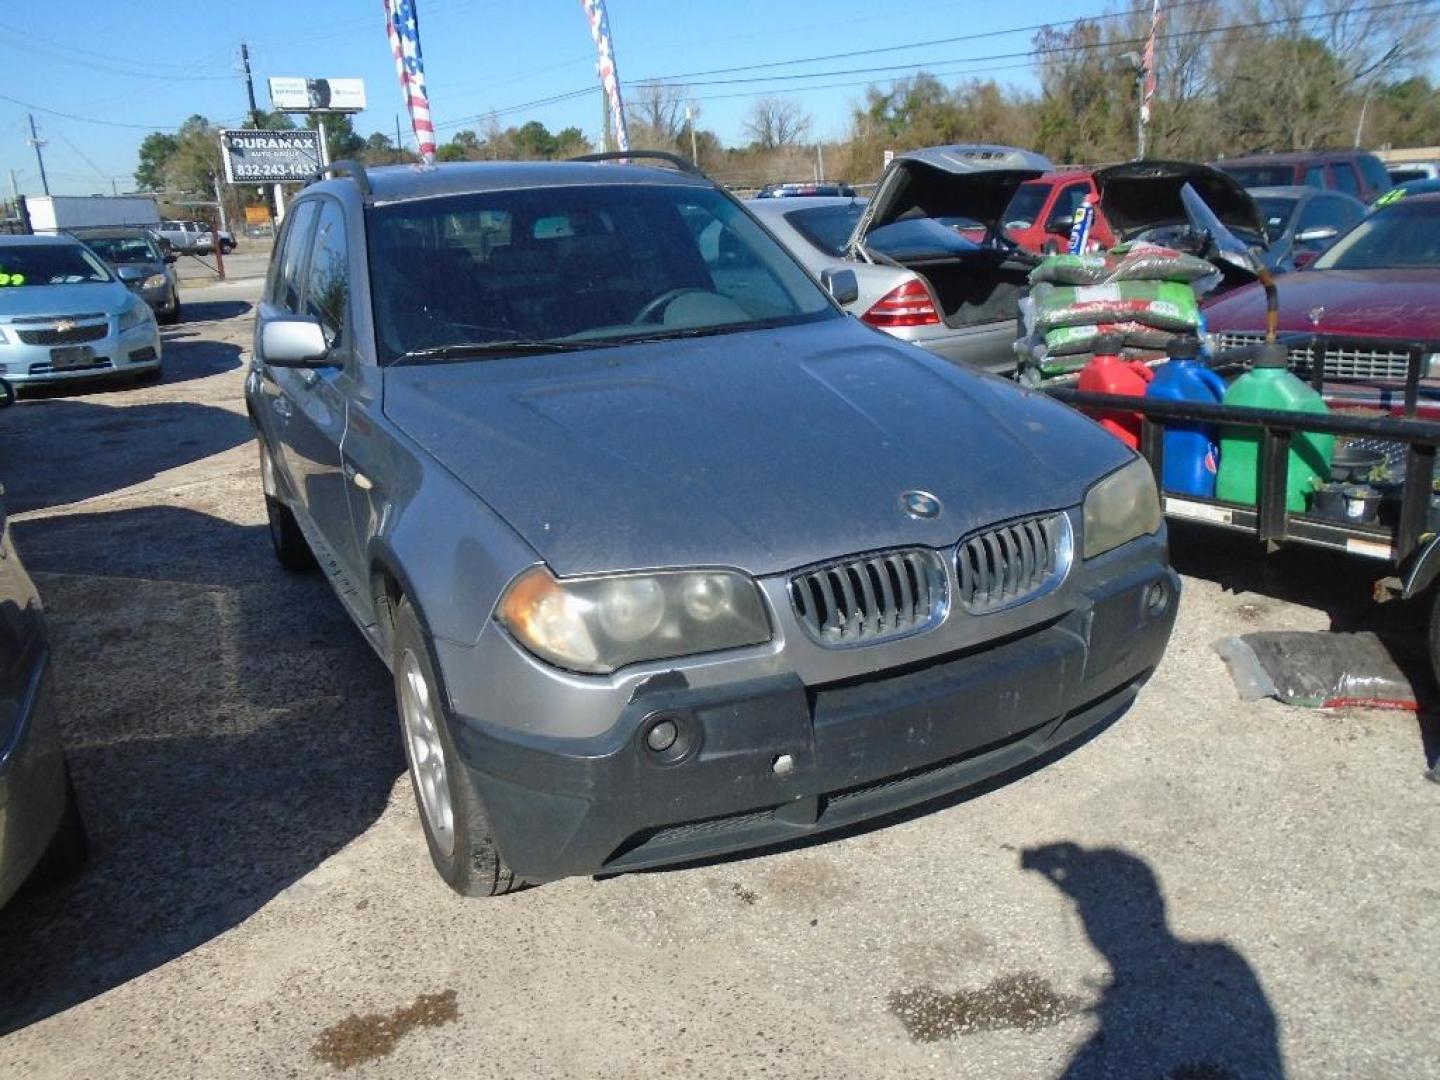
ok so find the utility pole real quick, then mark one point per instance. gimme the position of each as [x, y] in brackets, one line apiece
[399, 147]
[38, 142]
[14, 189]
[249, 85]
[690, 123]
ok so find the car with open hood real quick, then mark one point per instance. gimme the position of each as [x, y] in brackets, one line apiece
[1147, 200]
[668, 556]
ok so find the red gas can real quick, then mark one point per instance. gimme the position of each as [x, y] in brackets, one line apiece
[1107, 373]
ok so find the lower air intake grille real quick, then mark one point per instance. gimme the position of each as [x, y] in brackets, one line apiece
[870, 597]
[1011, 563]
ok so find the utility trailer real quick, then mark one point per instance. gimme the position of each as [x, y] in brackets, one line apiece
[1401, 549]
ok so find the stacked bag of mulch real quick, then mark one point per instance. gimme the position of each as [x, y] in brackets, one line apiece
[1144, 293]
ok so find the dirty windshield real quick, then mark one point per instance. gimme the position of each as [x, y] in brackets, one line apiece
[574, 265]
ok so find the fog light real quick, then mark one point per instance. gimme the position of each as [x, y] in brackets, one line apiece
[1157, 598]
[662, 736]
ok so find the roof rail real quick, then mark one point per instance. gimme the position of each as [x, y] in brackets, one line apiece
[683, 164]
[354, 170]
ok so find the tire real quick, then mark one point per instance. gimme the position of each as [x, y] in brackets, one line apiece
[173, 315]
[69, 847]
[288, 541]
[465, 854]
[151, 377]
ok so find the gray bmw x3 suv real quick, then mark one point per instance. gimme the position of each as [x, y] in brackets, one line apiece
[668, 555]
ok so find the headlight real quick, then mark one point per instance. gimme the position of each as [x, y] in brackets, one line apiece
[154, 281]
[600, 624]
[134, 315]
[1121, 507]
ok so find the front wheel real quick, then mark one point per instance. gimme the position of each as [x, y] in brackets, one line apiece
[457, 829]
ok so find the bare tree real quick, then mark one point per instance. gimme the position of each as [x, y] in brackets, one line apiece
[659, 106]
[774, 122]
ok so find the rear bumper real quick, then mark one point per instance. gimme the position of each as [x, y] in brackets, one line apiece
[32, 783]
[856, 749]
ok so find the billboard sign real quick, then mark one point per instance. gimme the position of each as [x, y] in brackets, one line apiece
[317, 95]
[270, 157]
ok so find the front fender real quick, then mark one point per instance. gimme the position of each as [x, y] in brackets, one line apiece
[1424, 569]
[451, 554]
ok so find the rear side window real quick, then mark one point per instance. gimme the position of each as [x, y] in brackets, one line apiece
[327, 285]
[1315, 177]
[290, 258]
[1345, 178]
[828, 228]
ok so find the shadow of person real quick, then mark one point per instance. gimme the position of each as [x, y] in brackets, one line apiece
[1173, 1009]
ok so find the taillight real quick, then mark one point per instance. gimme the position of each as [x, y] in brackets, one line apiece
[905, 305]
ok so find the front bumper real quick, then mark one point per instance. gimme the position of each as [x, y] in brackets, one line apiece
[118, 353]
[857, 747]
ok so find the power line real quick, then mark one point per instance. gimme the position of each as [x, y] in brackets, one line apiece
[95, 65]
[104, 123]
[932, 64]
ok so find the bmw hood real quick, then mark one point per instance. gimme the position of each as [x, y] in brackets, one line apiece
[62, 301]
[764, 450]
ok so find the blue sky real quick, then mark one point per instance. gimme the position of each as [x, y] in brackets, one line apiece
[152, 64]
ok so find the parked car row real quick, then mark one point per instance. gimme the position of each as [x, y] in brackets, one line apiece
[194, 237]
[65, 314]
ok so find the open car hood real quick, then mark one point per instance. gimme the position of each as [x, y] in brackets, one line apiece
[968, 180]
[1143, 195]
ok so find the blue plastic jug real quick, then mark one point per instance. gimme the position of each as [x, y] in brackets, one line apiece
[1192, 451]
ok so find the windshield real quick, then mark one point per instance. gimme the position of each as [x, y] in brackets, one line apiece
[1024, 209]
[49, 264]
[612, 263]
[827, 227]
[124, 249]
[1402, 236]
[1249, 176]
[1275, 212]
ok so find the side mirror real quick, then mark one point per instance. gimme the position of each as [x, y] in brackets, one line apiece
[842, 285]
[1317, 234]
[171, 257]
[7, 394]
[295, 341]
[130, 274]
[1060, 224]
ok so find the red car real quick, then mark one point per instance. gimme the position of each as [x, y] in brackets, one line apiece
[1374, 296]
[1042, 211]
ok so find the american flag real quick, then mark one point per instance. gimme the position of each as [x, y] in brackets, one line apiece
[1148, 90]
[609, 77]
[402, 25]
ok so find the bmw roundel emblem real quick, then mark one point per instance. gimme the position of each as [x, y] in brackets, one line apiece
[920, 504]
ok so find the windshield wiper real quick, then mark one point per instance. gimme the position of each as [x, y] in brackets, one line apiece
[484, 350]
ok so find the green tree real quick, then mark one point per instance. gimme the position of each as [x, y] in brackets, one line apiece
[341, 142]
[532, 140]
[156, 150]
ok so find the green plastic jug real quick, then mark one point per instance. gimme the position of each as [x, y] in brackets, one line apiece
[1271, 386]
